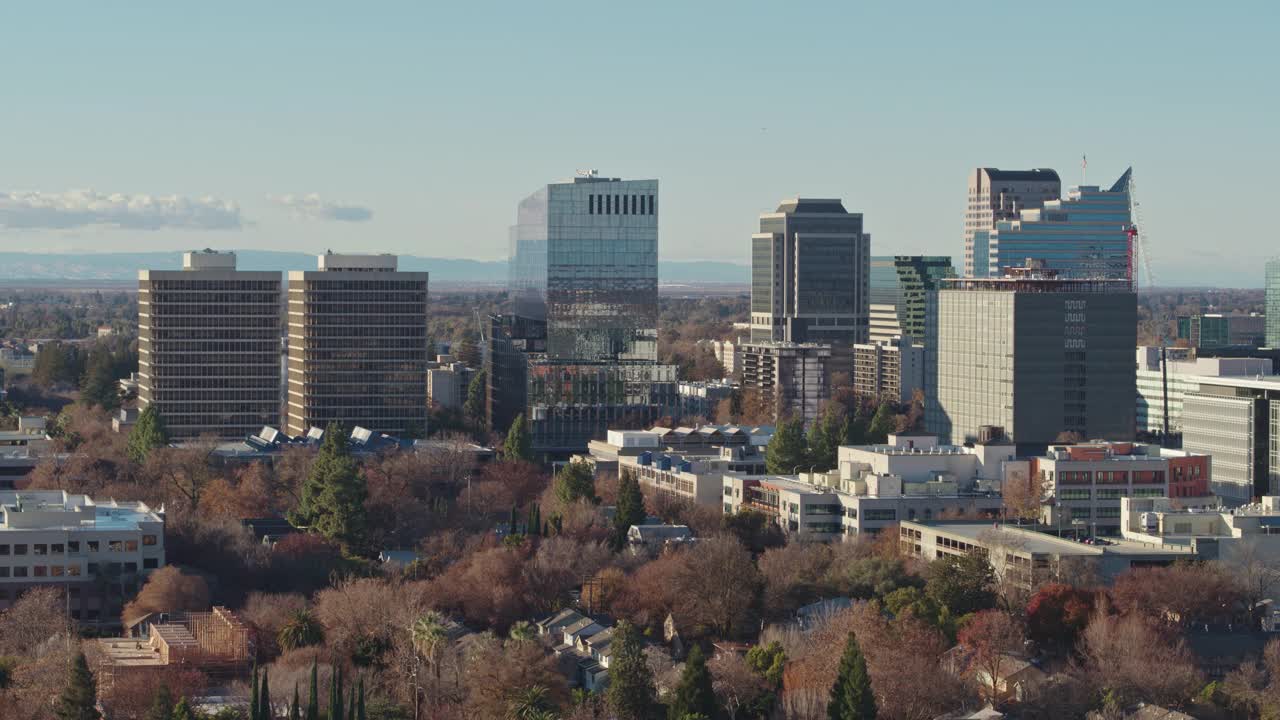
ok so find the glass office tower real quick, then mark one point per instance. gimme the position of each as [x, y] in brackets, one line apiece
[900, 287]
[1273, 303]
[584, 260]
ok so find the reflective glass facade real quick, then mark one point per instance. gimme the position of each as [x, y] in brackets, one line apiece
[1273, 303]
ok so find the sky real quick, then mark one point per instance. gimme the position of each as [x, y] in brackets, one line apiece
[417, 127]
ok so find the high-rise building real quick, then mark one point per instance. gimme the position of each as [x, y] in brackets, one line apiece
[996, 195]
[358, 346]
[209, 346]
[1085, 235]
[1161, 390]
[900, 287]
[1218, 330]
[1273, 303]
[584, 264]
[1034, 354]
[810, 267]
[1237, 421]
[792, 378]
[891, 370]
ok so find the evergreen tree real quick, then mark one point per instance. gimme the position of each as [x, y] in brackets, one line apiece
[825, 438]
[787, 449]
[474, 407]
[335, 695]
[254, 703]
[79, 699]
[630, 509]
[265, 711]
[512, 521]
[161, 705]
[574, 482]
[360, 705]
[182, 711]
[630, 694]
[851, 696]
[333, 495]
[99, 385]
[518, 444]
[694, 695]
[853, 431]
[351, 707]
[313, 695]
[295, 712]
[147, 434]
[882, 424]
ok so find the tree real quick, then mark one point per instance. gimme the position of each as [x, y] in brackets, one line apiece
[961, 583]
[739, 689]
[1022, 496]
[518, 444]
[882, 423]
[1164, 672]
[717, 584]
[825, 438]
[695, 693]
[182, 711]
[630, 694]
[302, 629]
[162, 706]
[313, 694]
[169, 589]
[295, 709]
[630, 508]
[787, 450]
[575, 482]
[147, 434]
[335, 694]
[79, 699]
[1256, 572]
[851, 696]
[1057, 614]
[333, 496]
[993, 638]
[99, 386]
[265, 709]
[474, 407]
[768, 661]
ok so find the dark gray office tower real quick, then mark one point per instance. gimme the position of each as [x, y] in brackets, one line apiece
[584, 261]
[810, 264]
[1034, 354]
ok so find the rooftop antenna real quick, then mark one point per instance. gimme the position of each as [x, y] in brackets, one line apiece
[1084, 166]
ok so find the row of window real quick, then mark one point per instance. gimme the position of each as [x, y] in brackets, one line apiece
[40, 571]
[620, 205]
[74, 546]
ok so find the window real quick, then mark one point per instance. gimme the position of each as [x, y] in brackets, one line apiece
[131, 545]
[57, 549]
[4, 571]
[591, 204]
[93, 568]
[20, 571]
[40, 571]
[889, 514]
[19, 549]
[73, 571]
[55, 570]
[4, 549]
[93, 546]
[40, 549]
[115, 545]
[131, 567]
[73, 546]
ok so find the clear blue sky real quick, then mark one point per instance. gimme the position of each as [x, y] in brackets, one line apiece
[433, 119]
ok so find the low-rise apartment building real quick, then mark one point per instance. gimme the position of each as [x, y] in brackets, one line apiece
[99, 551]
[889, 370]
[1085, 483]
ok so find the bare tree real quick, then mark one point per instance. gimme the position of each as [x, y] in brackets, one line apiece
[169, 589]
[1256, 568]
[994, 640]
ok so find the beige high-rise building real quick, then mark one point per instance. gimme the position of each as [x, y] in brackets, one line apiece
[996, 195]
[890, 370]
[209, 346]
[357, 345]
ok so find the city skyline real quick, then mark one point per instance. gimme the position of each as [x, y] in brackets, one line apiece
[378, 144]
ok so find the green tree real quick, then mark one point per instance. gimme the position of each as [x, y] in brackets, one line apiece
[518, 445]
[79, 699]
[854, 430]
[360, 715]
[313, 694]
[694, 695]
[474, 407]
[147, 434]
[574, 482]
[530, 703]
[295, 709]
[825, 437]
[630, 509]
[254, 704]
[335, 694]
[851, 696]
[333, 495]
[882, 424]
[961, 583]
[300, 630]
[161, 705]
[265, 711]
[630, 694]
[768, 661]
[99, 385]
[182, 711]
[787, 449]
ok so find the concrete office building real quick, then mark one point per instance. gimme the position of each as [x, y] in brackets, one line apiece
[1085, 235]
[996, 195]
[900, 289]
[585, 264]
[209, 346]
[792, 378]
[890, 370]
[1035, 354]
[1237, 421]
[702, 398]
[1216, 330]
[810, 267]
[357, 346]
[448, 381]
[1182, 374]
[99, 551]
[1273, 303]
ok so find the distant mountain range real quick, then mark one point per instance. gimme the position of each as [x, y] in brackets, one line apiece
[123, 267]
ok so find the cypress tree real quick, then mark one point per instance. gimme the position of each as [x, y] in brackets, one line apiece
[335, 695]
[360, 705]
[630, 694]
[147, 434]
[265, 711]
[351, 707]
[253, 693]
[851, 696]
[881, 425]
[694, 695]
[518, 445]
[630, 509]
[295, 712]
[333, 495]
[474, 406]
[787, 449]
[161, 704]
[79, 699]
[182, 711]
[99, 384]
[313, 695]
[513, 520]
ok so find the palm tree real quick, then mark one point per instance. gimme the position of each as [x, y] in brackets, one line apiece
[528, 704]
[301, 630]
[429, 638]
[523, 631]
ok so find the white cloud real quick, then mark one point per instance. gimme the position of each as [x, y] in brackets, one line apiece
[314, 208]
[82, 208]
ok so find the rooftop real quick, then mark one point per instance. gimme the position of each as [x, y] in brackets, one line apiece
[56, 509]
[1038, 543]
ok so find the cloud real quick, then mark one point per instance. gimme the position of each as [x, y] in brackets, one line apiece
[312, 207]
[83, 208]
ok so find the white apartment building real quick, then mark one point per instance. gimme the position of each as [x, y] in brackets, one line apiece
[1184, 375]
[99, 551]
